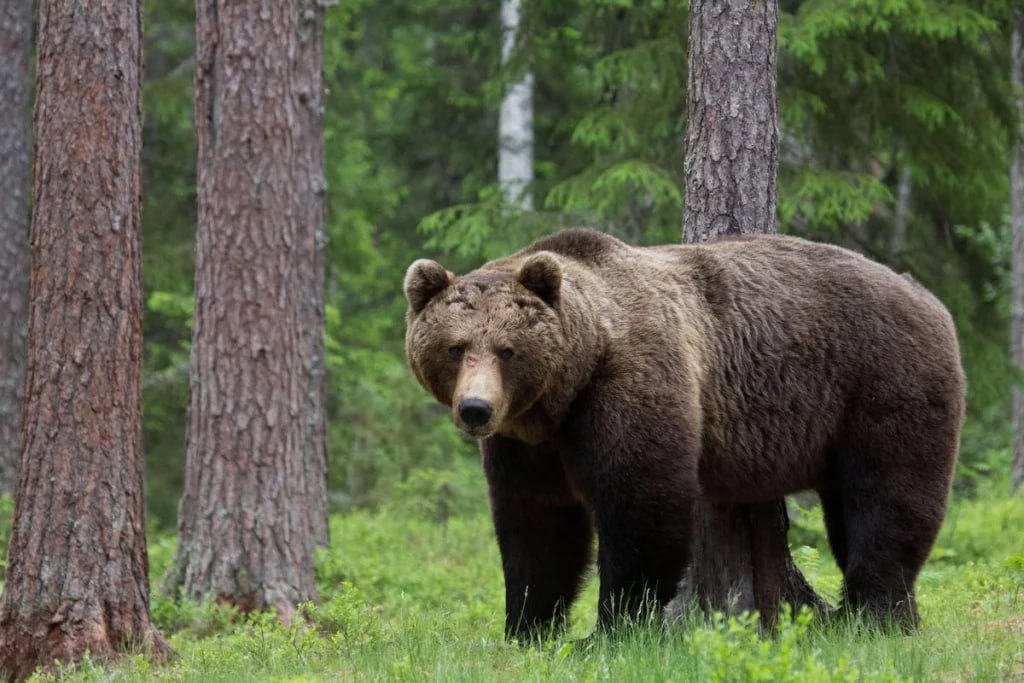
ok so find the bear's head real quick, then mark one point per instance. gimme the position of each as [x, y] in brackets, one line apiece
[487, 344]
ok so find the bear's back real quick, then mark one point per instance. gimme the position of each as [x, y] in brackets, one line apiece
[806, 332]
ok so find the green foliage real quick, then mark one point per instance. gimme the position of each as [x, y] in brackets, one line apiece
[987, 527]
[733, 650]
[168, 223]
[6, 519]
[866, 90]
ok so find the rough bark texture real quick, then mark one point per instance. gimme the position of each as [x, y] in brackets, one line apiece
[741, 554]
[732, 134]
[77, 569]
[254, 503]
[515, 120]
[15, 162]
[1017, 222]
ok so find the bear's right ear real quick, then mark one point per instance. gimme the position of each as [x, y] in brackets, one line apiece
[542, 275]
[424, 280]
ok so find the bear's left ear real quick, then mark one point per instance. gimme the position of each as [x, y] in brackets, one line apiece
[424, 280]
[542, 275]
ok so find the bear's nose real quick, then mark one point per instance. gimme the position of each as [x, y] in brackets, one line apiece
[475, 412]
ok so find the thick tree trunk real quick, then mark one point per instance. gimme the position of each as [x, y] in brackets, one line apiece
[254, 503]
[732, 132]
[741, 556]
[77, 565]
[515, 120]
[15, 164]
[1017, 224]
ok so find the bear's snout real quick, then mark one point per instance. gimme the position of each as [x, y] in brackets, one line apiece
[475, 412]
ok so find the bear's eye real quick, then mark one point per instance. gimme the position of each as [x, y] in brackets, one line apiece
[506, 354]
[456, 352]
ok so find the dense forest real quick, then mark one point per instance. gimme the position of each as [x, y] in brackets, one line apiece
[898, 135]
[895, 128]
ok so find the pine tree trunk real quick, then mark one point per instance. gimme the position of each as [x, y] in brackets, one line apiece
[741, 556]
[1017, 257]
[732, 132]
[77, 571]
[515, 120]
[254, 504]
[15, 165]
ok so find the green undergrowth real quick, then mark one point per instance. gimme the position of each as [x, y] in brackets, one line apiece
[414, 592]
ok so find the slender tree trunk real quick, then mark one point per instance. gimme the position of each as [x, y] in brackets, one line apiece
[515, 120]
[77, 565]
[901, 213]
[15, 165]
[1017, 224]
[254, 501]
[741, 555]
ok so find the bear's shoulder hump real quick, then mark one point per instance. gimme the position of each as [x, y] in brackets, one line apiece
[582, 244]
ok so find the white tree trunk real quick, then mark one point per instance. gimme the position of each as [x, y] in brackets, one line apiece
[515, 121]
[901, 213]
[1017, 225]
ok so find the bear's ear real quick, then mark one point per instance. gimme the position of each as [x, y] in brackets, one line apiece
[424, 280]
[542, 275]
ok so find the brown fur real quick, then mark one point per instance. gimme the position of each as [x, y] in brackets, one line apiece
[624, 383]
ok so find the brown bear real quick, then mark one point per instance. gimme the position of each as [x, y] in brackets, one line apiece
[611, 386]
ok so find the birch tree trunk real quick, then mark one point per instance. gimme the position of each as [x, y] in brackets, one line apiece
[254, 504]
[901, 214]
[1017, 258]
[741, 555]
[15, 166]
[77, 569]
[515, 120]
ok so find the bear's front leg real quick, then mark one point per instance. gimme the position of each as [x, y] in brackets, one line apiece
[544, 534]
[643, 548]
[633, 451]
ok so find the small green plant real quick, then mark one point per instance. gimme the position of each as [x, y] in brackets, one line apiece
[174, 614]
[6, 518]
[733, 649]
[347, 618]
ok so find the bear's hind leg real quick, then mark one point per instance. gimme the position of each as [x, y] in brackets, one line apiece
[835, 524]
[894, 484]
[544, 534]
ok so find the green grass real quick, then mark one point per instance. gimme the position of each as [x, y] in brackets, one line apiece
[414, 592]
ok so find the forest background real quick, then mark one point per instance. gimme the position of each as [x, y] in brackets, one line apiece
[897, 128]
[895, 120]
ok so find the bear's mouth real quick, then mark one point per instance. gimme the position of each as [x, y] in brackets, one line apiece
[478, 433]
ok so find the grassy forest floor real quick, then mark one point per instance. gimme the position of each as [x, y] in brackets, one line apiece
[414, 592]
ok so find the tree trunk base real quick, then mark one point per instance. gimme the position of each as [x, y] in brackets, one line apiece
[741, 563]
[23, 651]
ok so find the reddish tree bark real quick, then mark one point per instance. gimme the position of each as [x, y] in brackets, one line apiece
[741, 554]
[77, 565]
[254, 503]
[15, 164]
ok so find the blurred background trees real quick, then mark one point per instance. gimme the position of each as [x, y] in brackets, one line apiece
[896, 121]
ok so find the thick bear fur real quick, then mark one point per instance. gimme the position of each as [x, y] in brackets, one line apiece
[611, 387]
